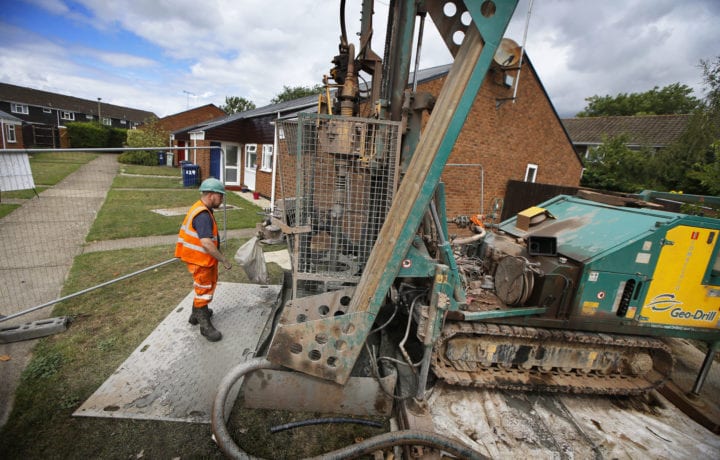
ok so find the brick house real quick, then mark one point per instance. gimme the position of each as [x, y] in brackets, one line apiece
[247, 140]
[42, 112]
[503, 139]
[506, 139]
[655, 131]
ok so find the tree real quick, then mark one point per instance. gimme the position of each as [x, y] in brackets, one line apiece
[150, 134]
[613, 166]
[672, 99]
[691, 164]
[236, 104]
[296, 92]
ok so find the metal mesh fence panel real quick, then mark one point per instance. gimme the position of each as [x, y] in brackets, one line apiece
[57, 205]
[47, 210]
[337, 179]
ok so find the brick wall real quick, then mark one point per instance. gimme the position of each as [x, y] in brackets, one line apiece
[502, 138]
[263, 181]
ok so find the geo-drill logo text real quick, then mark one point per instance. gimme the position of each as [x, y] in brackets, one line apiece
[665, 302]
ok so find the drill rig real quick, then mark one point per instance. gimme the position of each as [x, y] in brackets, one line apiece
[567, 297]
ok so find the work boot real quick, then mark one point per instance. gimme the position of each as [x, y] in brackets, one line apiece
[206, 327]
[194, 316]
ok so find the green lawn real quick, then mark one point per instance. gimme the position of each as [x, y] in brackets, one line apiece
[123, 181]
[151, 170]
[49, 168]
[129, 213]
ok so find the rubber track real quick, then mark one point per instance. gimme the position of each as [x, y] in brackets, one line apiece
[554, 381]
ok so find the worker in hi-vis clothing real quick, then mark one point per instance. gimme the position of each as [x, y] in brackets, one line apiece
[198, 246]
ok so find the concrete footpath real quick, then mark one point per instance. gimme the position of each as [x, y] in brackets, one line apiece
[60, 219]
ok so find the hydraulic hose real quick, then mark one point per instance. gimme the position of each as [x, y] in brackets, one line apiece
[320, 421]
[383, 441]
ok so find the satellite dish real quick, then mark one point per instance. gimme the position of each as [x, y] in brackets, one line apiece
[508, 53]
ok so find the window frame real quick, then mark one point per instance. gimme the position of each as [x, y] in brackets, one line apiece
[67, 115]
[107, 121]
[534, 168]
[10, 135]
[250, 149]
[267, 158]
[22, 109]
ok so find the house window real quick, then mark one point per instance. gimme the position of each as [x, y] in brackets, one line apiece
[267, 153]
[251, 156]
[107, 121]
[88, 117]
[19, 108]
[11, 133]
[531, 172]
[123, 122]
[47, 110]
[67, 115]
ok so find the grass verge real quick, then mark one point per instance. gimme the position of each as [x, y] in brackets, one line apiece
[151, 170]
[129, 213]
[49, 168]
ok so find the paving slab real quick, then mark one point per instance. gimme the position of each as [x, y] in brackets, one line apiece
[174, 374]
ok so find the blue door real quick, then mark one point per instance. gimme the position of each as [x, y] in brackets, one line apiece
[215, 160]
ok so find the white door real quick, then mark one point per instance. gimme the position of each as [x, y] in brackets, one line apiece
[232, 164]
[250, 165]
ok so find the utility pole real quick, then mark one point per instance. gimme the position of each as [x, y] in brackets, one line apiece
[99, 114]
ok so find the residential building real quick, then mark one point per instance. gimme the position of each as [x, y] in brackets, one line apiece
[654, 131]
[247, 140]
[42, 112]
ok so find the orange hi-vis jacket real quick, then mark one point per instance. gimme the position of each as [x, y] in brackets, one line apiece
[189, 247]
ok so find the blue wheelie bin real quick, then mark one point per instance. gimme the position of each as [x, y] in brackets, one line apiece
[191, 175]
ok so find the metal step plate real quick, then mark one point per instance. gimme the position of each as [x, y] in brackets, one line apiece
[174, 374]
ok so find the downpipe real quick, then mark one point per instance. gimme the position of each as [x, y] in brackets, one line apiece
[366, 447]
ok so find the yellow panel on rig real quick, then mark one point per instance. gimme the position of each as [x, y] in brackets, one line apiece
[677, 295]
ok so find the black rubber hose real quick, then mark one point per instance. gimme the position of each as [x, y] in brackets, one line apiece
[343, 30]
[383, 441]
[320, 421]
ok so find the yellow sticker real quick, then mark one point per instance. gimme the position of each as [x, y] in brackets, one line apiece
[589, 308]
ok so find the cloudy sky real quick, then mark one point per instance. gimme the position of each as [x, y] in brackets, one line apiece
[169, 55]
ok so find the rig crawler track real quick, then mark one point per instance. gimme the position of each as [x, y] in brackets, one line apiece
[525, 358]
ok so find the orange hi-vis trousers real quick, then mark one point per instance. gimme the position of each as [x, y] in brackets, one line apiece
[204, 282]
